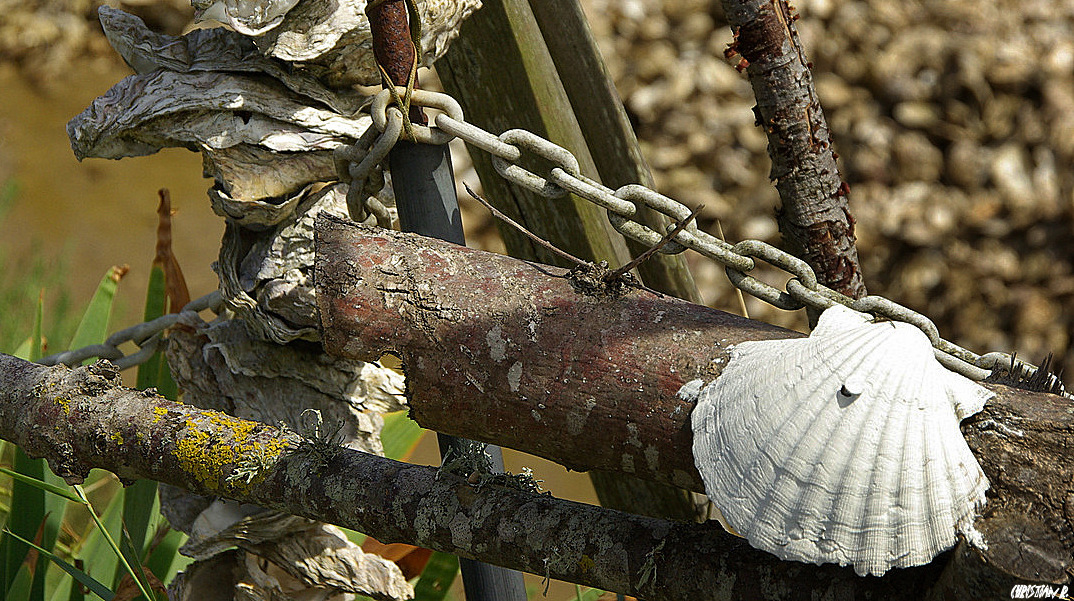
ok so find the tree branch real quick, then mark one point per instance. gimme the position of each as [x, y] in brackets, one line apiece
[815, 216]
[508, 352]
[83, 418]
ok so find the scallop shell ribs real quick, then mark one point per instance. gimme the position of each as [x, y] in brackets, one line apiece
[843, 447]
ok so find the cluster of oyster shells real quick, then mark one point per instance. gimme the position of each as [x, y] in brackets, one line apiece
[266, 130]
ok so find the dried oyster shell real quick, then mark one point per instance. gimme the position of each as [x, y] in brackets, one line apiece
[843, 447]
[331, 38]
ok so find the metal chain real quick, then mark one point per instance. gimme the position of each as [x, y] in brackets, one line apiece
[146, 335]
[358, 164]
[802, 290]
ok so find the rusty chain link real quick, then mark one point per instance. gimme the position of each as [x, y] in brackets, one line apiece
[359, 164]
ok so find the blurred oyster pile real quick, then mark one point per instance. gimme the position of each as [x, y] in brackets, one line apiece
[44, 37]
[953, 124]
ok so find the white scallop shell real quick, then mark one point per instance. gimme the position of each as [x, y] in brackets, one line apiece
[842, 447]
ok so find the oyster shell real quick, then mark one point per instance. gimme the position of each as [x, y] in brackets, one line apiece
[843, 447]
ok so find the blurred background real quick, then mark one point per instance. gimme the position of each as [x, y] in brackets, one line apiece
[953, 120]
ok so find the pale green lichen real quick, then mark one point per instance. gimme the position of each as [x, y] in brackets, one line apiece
[648, 569]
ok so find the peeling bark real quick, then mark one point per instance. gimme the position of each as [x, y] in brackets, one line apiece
[815, 216]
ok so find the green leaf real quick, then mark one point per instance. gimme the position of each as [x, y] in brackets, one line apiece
[155, 373]
[165, 560]
[75, 593]
[590, 594]
[62, 588]
[436, 579]
[21, 587]
[26, 515]
[100, 563]
[23, 350]
[139, 511]
[400, 435]
[93, 329]
[89, 582]
[137, 576]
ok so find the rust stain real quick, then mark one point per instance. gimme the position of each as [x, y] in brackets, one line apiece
[763, 37]
[393, 46]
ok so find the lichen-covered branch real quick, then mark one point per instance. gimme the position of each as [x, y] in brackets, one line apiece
[815, 217]
[83, 418]
[509, 352]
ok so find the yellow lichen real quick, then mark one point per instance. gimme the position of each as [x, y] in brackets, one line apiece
[586, 563]
[117, 438]
[159, 412]
[65, 404]
[207, 457]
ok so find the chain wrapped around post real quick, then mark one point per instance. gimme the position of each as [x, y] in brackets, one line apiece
[359, 164]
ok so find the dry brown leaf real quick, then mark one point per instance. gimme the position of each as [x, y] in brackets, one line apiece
[410, 559]
[128, 589]
[174, 282]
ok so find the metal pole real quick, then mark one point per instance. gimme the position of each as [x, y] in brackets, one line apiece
[424, 185]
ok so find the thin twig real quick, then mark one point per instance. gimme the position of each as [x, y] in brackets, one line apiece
[541, 242]
[680, 226]
[741, 298]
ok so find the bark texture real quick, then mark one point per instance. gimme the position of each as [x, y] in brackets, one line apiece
[514, 66]
[815, 216]
[83, 418]
[509, 352]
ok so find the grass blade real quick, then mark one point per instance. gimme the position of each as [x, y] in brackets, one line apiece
[112, 544]
[88, 581]
[93, 328]
[62, 491]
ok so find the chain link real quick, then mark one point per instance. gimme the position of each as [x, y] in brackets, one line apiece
[146, 335]
[358, 164]
[802, 290]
